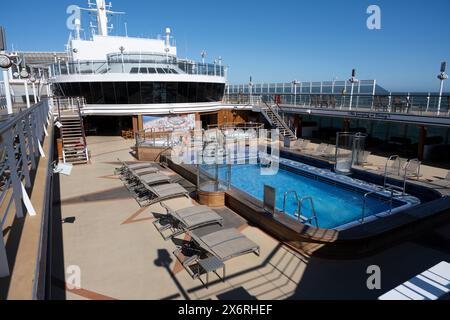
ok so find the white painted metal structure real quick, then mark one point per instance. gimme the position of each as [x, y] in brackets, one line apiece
[21, 144]
[104, 59]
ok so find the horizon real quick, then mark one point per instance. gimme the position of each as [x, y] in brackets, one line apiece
[250, 44]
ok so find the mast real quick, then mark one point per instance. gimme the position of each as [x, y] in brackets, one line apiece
[102, 18]
[101, 11]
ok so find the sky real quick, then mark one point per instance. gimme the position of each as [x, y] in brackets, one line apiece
[272, 41]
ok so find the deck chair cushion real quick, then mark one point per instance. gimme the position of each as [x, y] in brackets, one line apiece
[226, 243]
[196, 215]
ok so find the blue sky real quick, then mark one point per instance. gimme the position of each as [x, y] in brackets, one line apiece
[273, 41]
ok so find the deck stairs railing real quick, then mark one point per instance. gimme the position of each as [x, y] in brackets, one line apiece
[275, 120]
[300, 202]
[74, 144]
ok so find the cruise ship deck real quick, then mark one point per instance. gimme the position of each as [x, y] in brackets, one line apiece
[122, 256]
[128, 172]
[100, 228]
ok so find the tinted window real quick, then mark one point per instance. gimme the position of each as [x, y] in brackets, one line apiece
[121, 92]
[146, 92]
[108, 92]
[134, 92]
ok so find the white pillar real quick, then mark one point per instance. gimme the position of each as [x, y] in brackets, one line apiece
[7, 92]
[34, 93]
[351, 96]
[27, 97]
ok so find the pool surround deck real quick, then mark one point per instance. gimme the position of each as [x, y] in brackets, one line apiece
[359, 240]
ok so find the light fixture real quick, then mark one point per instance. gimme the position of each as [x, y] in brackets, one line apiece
[5, 61]
[24, 73]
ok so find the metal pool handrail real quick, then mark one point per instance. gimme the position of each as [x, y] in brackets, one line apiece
[391, 198]
[285, 196]
[299, 207]
[314, 216]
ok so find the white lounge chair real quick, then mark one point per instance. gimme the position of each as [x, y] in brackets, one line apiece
[180, 221]
[431, 284]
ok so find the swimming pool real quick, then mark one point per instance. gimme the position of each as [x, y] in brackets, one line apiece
[338, 200]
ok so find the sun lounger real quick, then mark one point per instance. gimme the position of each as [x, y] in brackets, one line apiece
[126, 167]
[158, 193]
[137, 183]
[183, 220]
[300, 144]
[224, 244]
[431, 284]
[320, 149]
[329, 153]
[441, 181]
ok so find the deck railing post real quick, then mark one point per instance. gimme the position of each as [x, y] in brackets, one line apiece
[31, 143]
[15, 180]
[4, 266]
[23, 151]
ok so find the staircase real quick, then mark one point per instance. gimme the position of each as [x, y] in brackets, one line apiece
[277, 122]
[73, 138]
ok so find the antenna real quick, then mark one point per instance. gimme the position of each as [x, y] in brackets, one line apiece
[100, 8]
[443, 66]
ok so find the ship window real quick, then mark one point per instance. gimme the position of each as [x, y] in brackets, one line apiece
[108, 92]
[134, 70]
[160, 70]
[147, 92]
[174, 71]
[121, 92]
[143, 70]
[134, 92]
[151, 70]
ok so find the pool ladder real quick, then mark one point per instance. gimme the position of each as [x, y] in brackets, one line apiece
[298, 212]
[391, 200]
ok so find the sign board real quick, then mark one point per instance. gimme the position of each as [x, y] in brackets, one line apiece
[269, 199]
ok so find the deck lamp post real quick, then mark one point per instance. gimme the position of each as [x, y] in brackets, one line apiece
[5, 64]
[250, 90]
[122, 49]
[203, 55]
[25, 75]
[33, 84]
[352, 80]
[442, 76]
[295, 83]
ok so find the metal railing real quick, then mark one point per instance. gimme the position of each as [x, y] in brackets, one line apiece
[413, 104]
[298, 212]
[401, 168]
[21, 144]
[133, 64]
[67, 104]
[366, 196]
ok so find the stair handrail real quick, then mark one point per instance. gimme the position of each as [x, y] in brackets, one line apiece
[82, 128]
[280, 120]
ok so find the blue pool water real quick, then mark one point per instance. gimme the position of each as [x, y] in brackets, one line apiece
[335, 206]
